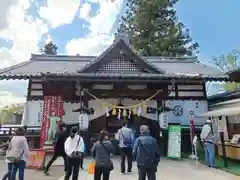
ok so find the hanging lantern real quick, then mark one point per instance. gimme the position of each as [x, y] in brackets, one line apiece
[114, 112]
[124, 112]
[163, 120]
[83, 121]
[139, 110]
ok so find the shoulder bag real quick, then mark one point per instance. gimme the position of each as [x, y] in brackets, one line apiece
[111, 167]
[14, 156]
[76, 153]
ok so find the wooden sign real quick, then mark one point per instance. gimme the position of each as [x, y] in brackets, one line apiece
[36, 159]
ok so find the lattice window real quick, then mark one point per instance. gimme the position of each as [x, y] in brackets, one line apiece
[120, 64]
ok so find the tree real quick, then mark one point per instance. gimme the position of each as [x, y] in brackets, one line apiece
[154, 30]
[49, 49]
[7, 112]
[228, 62]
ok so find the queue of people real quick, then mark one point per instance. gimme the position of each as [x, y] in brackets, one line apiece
[144, 150]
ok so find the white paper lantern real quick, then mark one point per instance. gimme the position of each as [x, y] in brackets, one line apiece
[163, 120]
[83, 121]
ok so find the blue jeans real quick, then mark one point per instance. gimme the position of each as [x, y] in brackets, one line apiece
[209, 154]
[7, 175]
[19, 166]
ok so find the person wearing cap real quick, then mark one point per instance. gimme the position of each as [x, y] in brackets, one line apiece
[58, 148]
[101, 152]
[147, 154]
[207, 138]
[126, 138]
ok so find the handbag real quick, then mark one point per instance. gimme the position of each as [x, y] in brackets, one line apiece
[111, 167]
[91, 169]
[14, 156]
[77, 154]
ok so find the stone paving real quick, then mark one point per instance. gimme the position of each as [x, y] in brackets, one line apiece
[168, 170]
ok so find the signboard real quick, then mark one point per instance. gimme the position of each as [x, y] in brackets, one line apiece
[51, 104]
[36, 159]
[174, 141]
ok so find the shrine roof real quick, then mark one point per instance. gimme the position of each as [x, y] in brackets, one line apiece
[118, 60]
[61, 65]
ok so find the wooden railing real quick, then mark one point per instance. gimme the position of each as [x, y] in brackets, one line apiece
[8, 130]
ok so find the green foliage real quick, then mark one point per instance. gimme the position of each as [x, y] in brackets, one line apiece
[6, 113]
[228, 62]
[155, 30]
[49, 49]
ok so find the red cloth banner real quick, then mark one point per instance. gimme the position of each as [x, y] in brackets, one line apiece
[44, 120]
[191, 124]
[51, 104]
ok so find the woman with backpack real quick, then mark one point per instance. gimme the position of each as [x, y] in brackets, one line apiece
[17, 154]
[101, 151]
[74, 148]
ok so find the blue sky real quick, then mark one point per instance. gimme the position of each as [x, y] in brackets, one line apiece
[86, 27]
[213, 24]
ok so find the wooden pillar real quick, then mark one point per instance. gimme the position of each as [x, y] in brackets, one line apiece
[223, 145]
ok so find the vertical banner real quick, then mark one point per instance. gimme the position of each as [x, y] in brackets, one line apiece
[192, 129]
[44, 120]
[51, 104]
[191, 124]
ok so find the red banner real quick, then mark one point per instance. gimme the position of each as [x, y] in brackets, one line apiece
[51, 104]
[44, 120]
[192, 125]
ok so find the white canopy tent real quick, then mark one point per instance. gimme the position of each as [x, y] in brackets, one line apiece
[227, 111]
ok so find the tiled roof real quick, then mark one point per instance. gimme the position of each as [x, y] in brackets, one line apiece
[40, 65]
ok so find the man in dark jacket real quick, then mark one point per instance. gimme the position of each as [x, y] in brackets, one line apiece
[147, 154]
[59, 148]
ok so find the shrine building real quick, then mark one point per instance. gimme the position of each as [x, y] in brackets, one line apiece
[119, 85]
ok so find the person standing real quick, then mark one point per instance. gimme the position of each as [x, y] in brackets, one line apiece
[126, 138]
[147, 154]
[207, 138]
[101, 151]
[59, 149]
[17, 154]
[7, 174]
[74, 148]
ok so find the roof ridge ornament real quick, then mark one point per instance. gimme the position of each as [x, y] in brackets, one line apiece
[120, 35]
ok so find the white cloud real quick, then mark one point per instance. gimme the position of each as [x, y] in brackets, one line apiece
[5, 5]
[85, 11]
[100, 30]
[25, 33]
[8, 98]
[59, 12]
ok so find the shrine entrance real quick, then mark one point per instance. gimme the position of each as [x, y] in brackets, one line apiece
[112, 124]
